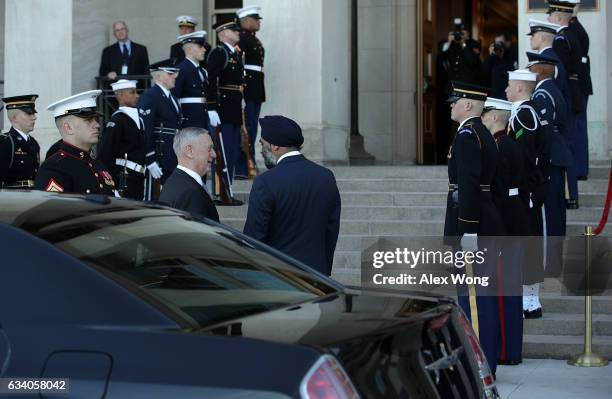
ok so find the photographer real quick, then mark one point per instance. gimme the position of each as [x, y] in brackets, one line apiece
[499, 62]
[461, 56]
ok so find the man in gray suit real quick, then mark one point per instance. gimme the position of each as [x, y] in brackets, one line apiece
[185, 189]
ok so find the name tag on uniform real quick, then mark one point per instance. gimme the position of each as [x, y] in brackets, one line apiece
[124, 70]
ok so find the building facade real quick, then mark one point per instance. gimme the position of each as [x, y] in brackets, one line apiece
[308, 61]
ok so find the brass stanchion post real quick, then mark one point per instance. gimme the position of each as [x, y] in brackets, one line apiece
[588, 358]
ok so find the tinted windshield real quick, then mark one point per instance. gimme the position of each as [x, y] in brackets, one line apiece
[204, 273]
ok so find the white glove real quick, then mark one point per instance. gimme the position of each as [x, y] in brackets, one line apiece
[155, 170]
[469, 242]
[213, 116]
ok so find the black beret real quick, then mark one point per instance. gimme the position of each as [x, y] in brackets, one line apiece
[281, 131]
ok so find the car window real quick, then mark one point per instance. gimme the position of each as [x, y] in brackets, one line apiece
[205, 273]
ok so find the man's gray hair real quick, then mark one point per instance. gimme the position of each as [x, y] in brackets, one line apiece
[186, 136]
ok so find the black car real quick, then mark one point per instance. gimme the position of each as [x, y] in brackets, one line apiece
[130, 300]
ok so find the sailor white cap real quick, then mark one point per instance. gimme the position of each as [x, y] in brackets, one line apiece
[250, 11]
[194, 37]
[186, 20]
[123, 84]
[82, 105]
[497, 104]
[542, 26]
[522, 74]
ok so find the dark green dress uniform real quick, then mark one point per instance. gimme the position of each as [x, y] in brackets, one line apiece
[472, 162]
[19, 156]
[73, 170]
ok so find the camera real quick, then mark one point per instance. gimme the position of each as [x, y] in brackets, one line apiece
[498, 48]
[458, 30]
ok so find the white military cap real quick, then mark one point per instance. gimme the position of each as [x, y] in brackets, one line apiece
[82, 105]
[542, 26]
[194, 37]
[250, 11]
[522, 74]
[123, 84]
[497, 104]
[186, 20]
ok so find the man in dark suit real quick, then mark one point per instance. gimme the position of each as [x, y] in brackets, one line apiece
[124, 57]
[294, 207]
[161, 114]
[185, 189]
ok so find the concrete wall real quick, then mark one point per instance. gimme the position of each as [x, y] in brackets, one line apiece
[387, 78]
[45, 68]
[151, 23]
[600, 109]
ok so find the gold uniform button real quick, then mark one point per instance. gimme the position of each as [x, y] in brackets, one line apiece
[88, 191]
[101, 186]
[95, 174]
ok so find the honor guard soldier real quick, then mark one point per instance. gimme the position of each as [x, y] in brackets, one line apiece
[569, 49]
[72, 169]
[587, 89]
[552, 110]
[161, 113]
[19, 152]
[192, 81]
[254, 91]
[470, 211]
[525, 127]
[515, 217]
[542, 36]
[122, 146]
[226, 79]
[186, 25]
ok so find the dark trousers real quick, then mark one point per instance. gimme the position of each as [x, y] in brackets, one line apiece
[555, 212]
[510, 300]
[487, 308]
[252, 111]
[582, 144]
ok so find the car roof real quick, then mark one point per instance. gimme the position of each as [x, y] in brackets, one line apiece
[34, 210]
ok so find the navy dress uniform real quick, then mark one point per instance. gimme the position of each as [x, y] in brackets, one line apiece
[472, 161]
[124, 135]
[553, 111]
[568, 47]
[508, 177]
[226, 83]
[536, 26]
[253, 53]
[176, 50]
[72, 169]
[19, 151]
[191, 85]
[161, 114]
[295, 206]
[586, 86]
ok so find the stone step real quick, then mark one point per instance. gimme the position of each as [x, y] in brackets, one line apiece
[554, 303]
[567, 324]
[413, 212]
[563, 346]
[413, 185]
[385, 172]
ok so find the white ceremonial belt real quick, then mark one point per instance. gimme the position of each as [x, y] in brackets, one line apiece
[251, 67]
[192, 100]
[513, 192]
[130, 165]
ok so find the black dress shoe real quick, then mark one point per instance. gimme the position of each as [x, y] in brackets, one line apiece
[583, 178]
[509, 362]
[533, 314]
[571, 204]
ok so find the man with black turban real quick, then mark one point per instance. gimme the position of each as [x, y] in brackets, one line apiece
[295, 206]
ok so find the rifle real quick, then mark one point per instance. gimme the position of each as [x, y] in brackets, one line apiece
[246, 149]
[223, 187]
[154, 185]
[123, 176]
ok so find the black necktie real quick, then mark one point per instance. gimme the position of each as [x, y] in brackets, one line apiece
[124, 51]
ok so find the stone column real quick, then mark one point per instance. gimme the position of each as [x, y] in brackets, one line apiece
[307, 71]
[38, 57]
